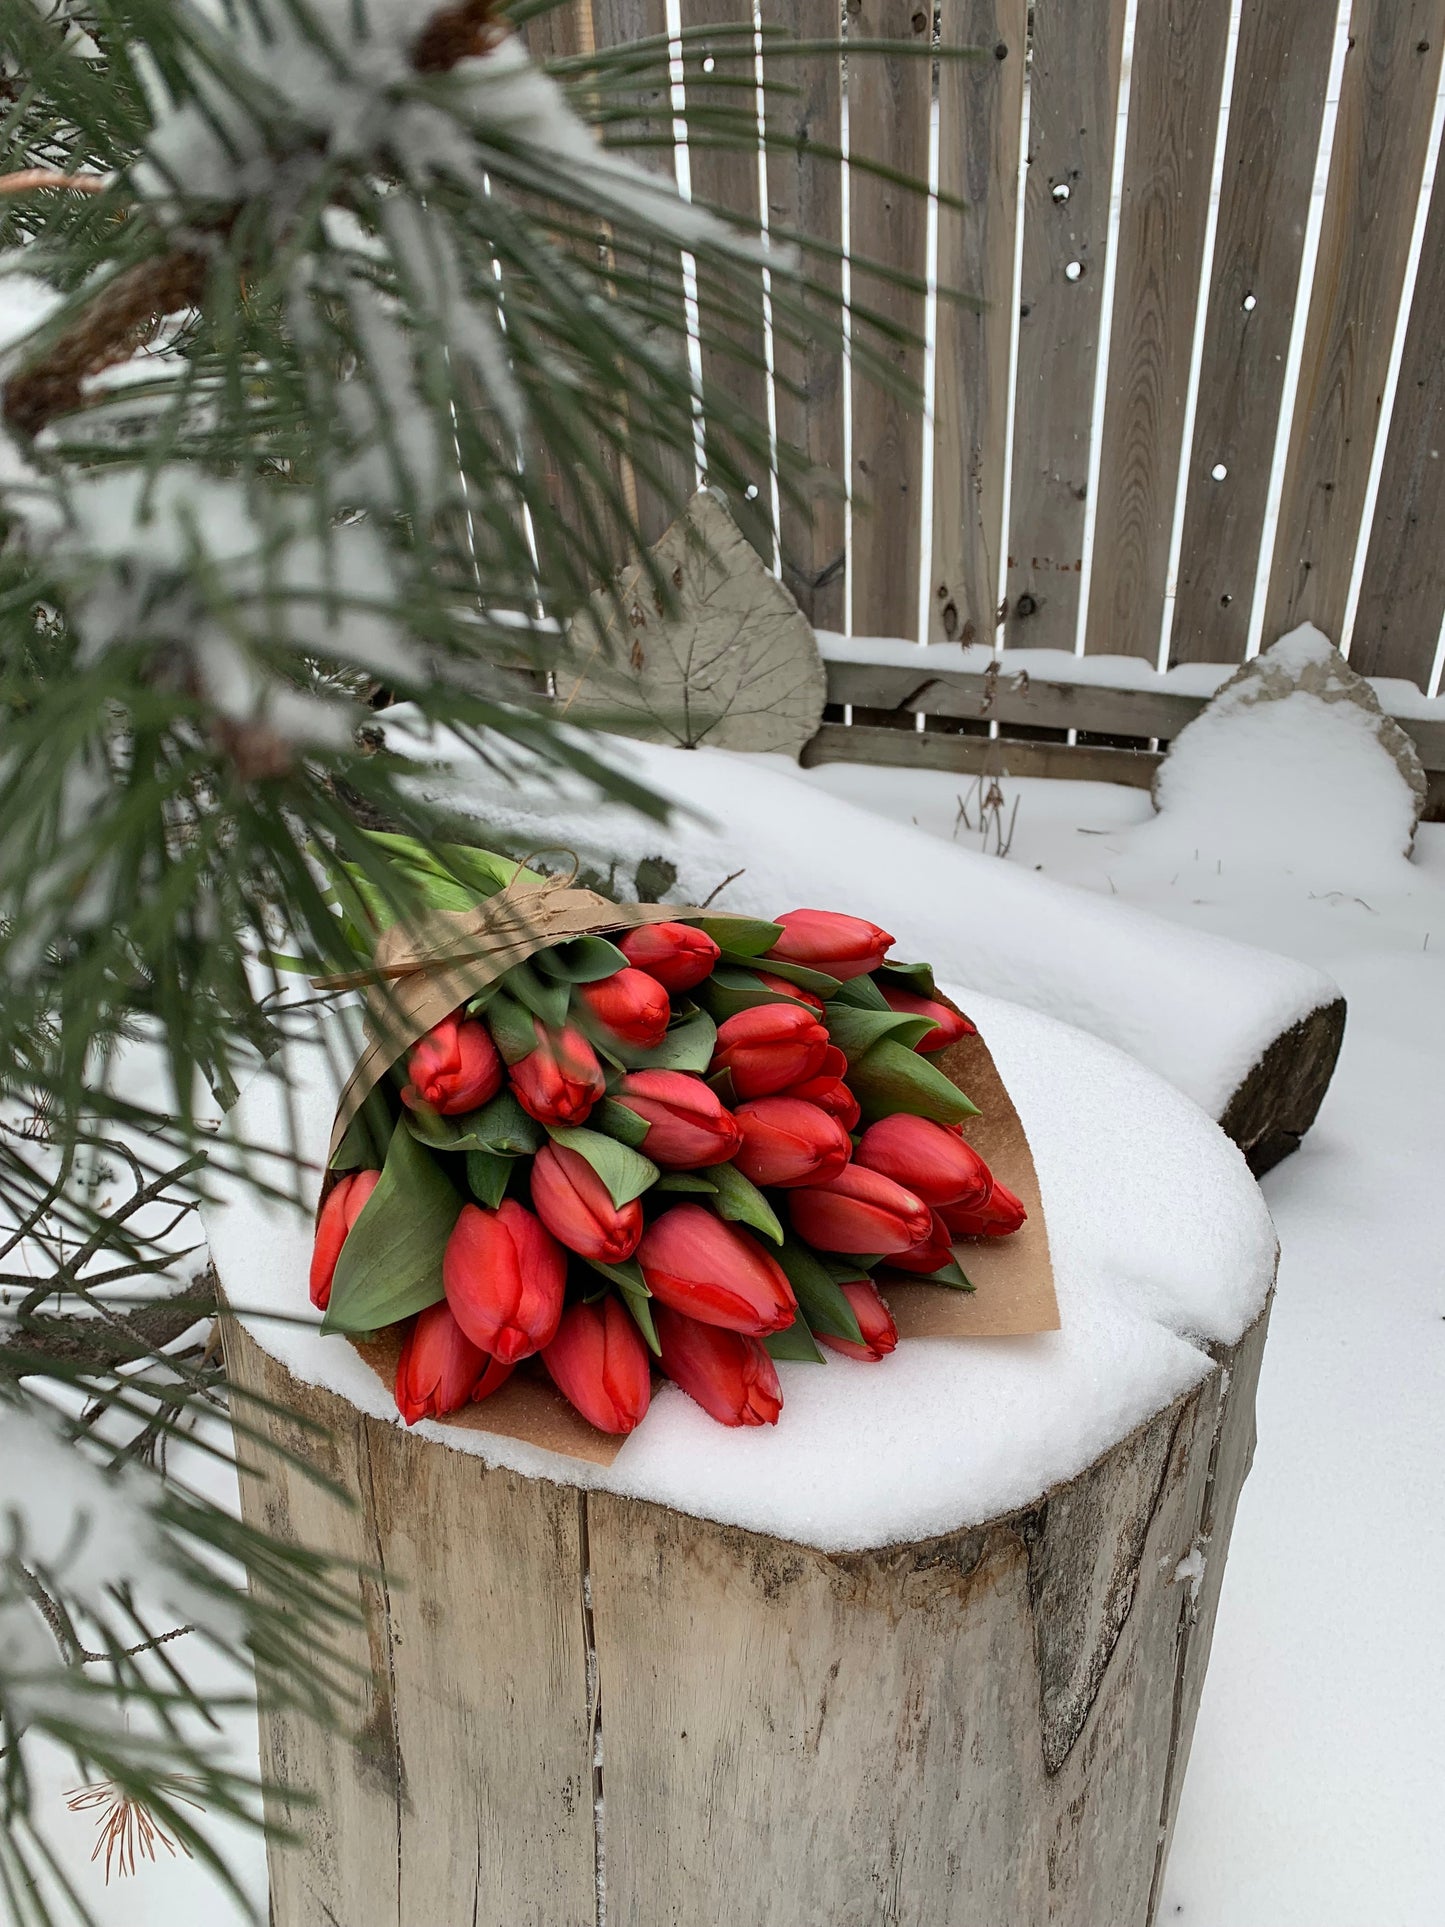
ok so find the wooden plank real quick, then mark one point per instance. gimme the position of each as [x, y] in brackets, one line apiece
[1387, 100]
[888, 113]
[968, 755]
[805, 197]
[1009, 698]
[1073, 116]
[730, 298]
[1280, 77]
[1402, 594]
[1178, 70]
[980, 110]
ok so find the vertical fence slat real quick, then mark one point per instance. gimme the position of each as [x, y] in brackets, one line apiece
[888, 114]
[1178, 71]
[805, 196]
[1281, 74]
[1073, 115]
[980, 110]
[730, 302]
[1387, 100]
[1402, 594]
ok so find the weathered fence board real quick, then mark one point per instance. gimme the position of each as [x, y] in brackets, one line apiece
[1008, 698]
[1402, 594]
[1178, 71]
[1280, 76]
[805, 197]
[718, 76]
[1073, 115]
[888, 111]
[975, 755]
[1387, 100]
[980, 111]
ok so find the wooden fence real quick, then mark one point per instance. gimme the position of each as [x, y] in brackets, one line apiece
[971, 526]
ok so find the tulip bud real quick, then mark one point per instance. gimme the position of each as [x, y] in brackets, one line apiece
[952, 1024]
[787, 1141]
[439, 1367]
[729, 1375]
[769, 1047]
[1000, 1214]
[454, 1068]
[929, 1254]
[630, 1004]
[689, 1127]
[875, 1321]
[504, 1277]
[560, 1081]
[830, 1094]
[676, 954]
[860, 1210]
[577, 1208]
[339, 1213]
[783, 988]
[714, 1272]
[934, 1163]
[598, 1363]
[825, 940]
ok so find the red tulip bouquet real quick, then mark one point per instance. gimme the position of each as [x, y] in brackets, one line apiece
[627, 1137]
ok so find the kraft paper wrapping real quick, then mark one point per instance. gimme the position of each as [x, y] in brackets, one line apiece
[426, 969]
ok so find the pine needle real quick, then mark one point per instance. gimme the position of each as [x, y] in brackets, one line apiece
[127, 1826]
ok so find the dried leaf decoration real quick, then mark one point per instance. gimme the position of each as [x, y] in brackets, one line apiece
[734, 664]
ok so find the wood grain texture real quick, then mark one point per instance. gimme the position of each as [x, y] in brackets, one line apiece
[972, 755]
[980, 109]
[730, 299]
[1280, 77]
[1387, 98]
[1178, 70]
[1073, 116]
[805, 197]
[1005, 697]
[888, 112]
[1402, 593]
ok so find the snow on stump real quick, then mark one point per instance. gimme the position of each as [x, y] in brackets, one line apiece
[928, 1653]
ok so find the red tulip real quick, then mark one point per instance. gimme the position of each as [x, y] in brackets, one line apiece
[689, 1126]
[825, 940]
[860, 1210]
[577, 1208]
[830, 1094]
[999, 1214]
[931, 1253]
[787, 1141]
[952, 1024]
[632, 1005]
[934, 1163]
[598, 1362]
[676, 954]
[560, 1081]
[875, 1321]
[504, 1276]
[439, 1368]
[454, 1068]
[730, 1375]
[339, 1213]
[714, 1272]
[769, 1047]
[785, 989]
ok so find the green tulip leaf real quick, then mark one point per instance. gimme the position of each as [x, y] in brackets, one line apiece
[688, 1046]
[625, 1172]
[740, 1201]
[541, 995]
[619, 1121]
[685, 1181]
[862, 993]
[730, 989]
[855, 1031]
[364, 1141]
[796, 1343]
[488, 1173]
[580, 960]
[391, 1263]
[891, 1077]
[500, 1126]
[845, 1271]
[917, 977]
[953, 1275]
[483, 871]
[513, 1031]
[632, 1289]
[743, 937]
[818, 981]
[820, 1300]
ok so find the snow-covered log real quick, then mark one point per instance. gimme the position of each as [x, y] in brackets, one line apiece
[928, 1653]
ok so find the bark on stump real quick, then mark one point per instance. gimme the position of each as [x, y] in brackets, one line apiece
[584, 1707]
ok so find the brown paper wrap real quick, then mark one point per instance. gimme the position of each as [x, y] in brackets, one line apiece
[425, 969]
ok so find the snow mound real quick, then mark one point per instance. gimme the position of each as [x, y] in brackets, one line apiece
[1293, 766]
[1161, 1246]
[1199, 1010]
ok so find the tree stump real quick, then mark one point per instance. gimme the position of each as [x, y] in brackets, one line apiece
[587, 1705]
